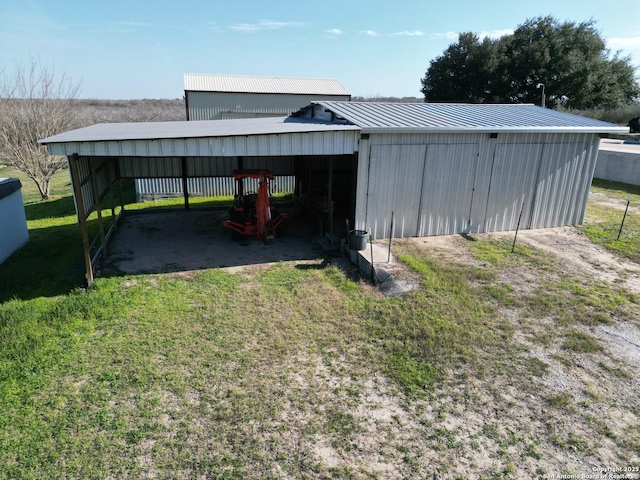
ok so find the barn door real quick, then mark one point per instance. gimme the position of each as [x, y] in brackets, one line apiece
[512, 186]
[395, 184]
[447, 189]
[560, 180]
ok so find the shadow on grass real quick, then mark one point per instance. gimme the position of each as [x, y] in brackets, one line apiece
[50, 209]
[624, 187]
[49, 264]
[313, 266]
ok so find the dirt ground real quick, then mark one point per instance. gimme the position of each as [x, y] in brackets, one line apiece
[479, 417]
[604, 399]
[579, 256]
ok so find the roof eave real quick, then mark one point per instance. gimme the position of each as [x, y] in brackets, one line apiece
[312, 128]
[594, 130]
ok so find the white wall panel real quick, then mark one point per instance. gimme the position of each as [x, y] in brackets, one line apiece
[300, 143]
[447, 189]
[475, 183]
[512, 187]
[157, 188]
[394, 186]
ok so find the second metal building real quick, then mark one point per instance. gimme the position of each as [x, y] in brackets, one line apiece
[216, 97]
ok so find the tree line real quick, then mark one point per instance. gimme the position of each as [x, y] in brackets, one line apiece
[35, 104]
[566, 61]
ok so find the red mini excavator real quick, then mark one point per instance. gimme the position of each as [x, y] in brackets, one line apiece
[251, 213]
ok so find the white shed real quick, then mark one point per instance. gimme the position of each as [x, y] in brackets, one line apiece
[13, 222]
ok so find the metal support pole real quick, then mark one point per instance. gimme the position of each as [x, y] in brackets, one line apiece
[114, 223]
[185, 183]
[390, 238]
[330, 195]
[513, 247]
[119, 178]
[371, 247]
[543, 102]
[623, 218]
[97, 205]
[77, 193]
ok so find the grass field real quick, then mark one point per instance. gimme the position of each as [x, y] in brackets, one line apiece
[603, 222]
[297, 371]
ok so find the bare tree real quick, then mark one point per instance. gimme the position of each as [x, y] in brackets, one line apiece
[35, 105]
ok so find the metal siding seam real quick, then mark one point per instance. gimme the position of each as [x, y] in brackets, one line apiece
[587, 176]
[538, 167]
[580, 159]
[362, 183]
[559, 185]
[191, 148]
[203, 146]
[584, 175]
[560, 190]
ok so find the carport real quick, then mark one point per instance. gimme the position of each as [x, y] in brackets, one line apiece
[102, 155]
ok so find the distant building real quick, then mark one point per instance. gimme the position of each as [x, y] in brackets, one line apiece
[217, 97]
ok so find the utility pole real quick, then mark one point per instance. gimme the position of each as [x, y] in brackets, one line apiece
[541, 85]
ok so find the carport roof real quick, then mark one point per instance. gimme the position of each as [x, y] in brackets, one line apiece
[456, 117]
[102, 132]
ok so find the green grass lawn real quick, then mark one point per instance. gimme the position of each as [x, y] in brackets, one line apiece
[603, 221]
[291, 370]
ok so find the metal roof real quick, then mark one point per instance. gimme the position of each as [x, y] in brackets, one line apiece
[200, 82]
[8, 186]
[452, 117]
[367, 117]
[192, 129]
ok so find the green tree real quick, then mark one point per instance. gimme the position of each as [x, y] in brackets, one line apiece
[35, 105]
[464, 72]
[569, 58]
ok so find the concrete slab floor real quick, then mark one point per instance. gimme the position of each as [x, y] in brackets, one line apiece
[180, 241]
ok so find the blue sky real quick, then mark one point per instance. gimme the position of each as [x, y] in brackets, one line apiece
[141, 48]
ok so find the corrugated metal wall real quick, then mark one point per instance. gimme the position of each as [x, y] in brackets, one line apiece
[156, 188]
[331, 142]
[222, 105]
[159, 167]
[105, 173]
[439, 184]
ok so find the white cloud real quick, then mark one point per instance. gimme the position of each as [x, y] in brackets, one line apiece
[370, 33]
[412, 33]
[626, 46]
[618, 43]
[264, 25]
[454, 35]
[334, 31]
[495, 33]
[445, 35]
[625, 42]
